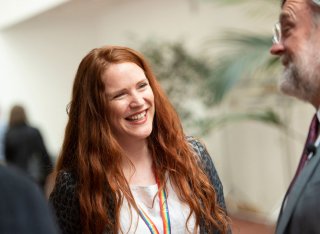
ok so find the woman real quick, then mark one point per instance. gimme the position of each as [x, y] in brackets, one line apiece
[126, 165]
[25, 149]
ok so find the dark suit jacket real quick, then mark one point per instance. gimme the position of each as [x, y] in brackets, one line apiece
[301, 213]
[23, 208]
[25, 149]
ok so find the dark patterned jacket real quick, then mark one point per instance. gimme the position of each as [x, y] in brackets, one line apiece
[66, 204]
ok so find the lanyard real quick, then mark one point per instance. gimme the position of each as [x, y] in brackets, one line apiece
[164, 210]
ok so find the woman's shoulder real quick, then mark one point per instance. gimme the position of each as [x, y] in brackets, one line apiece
[203, 155]
[199, 148]
[66, 177]
[65, 202]
[194, 141]
[209, 167]
[65, 184]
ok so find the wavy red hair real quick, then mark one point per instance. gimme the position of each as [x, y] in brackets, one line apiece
[91, 152]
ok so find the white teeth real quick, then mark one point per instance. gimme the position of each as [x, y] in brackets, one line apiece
[138, 117]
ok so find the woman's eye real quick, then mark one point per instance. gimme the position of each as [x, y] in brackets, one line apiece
[142, 85]
[119, 95]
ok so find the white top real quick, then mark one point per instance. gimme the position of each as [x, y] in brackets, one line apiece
[318, 115]
[316, 144]
[144, 197]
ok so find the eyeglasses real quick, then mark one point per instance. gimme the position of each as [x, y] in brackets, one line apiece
[276, 33]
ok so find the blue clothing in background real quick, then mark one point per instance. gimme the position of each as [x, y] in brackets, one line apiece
[3, 128]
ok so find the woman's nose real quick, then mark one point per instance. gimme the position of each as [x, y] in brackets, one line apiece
[136, 100]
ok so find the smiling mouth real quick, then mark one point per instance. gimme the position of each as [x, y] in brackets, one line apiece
[137, 117]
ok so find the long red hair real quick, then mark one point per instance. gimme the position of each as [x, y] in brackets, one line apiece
[91, 152]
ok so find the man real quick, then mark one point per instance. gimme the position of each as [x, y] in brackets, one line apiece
[297, 42]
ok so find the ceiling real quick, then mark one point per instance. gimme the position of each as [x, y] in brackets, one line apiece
[16, 11]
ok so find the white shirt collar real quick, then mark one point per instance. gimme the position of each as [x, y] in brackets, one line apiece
[318, 138]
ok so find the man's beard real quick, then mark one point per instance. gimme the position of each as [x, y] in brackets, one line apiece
[301, 78]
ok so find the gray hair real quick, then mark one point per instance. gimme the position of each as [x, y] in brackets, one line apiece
[316, 11]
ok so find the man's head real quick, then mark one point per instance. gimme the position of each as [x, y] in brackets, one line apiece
[298, 47]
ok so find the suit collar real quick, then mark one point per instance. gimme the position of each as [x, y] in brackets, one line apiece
[296, 191]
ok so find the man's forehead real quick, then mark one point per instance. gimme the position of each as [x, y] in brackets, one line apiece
[293, 10]
[294, 1]
[291, 7]
[316, 2]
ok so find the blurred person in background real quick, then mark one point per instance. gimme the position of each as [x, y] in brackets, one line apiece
[296, 41]
[24, 147]
[23, 208]
[126, 165]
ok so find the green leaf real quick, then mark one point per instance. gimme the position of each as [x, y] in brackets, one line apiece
[268, 116]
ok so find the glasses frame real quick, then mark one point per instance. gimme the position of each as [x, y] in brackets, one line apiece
[276, 38]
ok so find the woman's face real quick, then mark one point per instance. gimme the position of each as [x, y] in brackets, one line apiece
[130, 100]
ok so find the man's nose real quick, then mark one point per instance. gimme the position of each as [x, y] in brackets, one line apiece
[277, 49]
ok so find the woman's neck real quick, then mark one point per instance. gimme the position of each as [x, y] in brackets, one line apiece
[138, 165]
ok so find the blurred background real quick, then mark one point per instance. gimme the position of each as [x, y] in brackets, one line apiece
[212, 58]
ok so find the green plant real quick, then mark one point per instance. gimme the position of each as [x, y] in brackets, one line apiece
[196, 86]
[181, 74]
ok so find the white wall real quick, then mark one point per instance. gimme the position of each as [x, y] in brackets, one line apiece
[39, 58]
